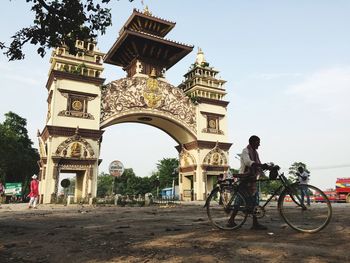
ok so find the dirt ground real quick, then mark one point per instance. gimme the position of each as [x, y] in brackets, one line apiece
[179, 233]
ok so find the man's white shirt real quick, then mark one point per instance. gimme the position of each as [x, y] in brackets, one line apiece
[301, 180]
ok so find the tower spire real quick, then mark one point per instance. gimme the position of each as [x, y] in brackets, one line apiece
[202, 81]
[146, 11]
[200, 57]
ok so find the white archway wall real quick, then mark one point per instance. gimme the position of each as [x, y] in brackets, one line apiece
[49, 181]
[157, 103]
[59, 90]
[203, 170]
[202, 122]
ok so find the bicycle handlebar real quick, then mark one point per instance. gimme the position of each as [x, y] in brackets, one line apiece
[238, 176]
[245, 176]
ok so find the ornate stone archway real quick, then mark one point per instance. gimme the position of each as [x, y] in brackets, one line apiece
[194, 113]
[150, 101]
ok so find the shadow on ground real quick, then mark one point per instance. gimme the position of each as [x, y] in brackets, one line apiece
[161, 234]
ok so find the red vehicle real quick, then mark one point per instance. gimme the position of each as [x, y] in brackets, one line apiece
[343, 189]
[331, 195]
[340, 194]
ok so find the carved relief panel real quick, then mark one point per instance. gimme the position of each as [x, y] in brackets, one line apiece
[75, 147]
[213, 123]
[186, 159]
[129, 95]
[77, 104]
[216, 157]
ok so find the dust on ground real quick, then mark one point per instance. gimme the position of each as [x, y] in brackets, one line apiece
[181, 233]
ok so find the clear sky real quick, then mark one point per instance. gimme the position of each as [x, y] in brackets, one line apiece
[287, 66]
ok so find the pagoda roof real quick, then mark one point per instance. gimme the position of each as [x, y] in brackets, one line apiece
[139, 21]
[194, 68]
[133, 44]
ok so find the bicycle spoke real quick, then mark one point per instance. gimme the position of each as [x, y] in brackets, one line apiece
[298, 208]
[226, 209]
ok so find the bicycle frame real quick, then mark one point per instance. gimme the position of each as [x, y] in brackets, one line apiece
[238, 186]
[285, 185]
[234, 196]
[278, 190]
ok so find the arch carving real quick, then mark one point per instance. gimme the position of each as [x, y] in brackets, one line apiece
[76, 147]
[42, 149]
[215, 157]
[148, 96]
[186, 159]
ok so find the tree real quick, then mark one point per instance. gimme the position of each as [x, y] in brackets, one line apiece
[125, 183]
[58, 22]
[130, 184]
[104, 185]
[269, 187]
[18, 159]
[165, 172]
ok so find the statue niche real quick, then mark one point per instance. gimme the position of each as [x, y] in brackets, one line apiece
[216, 159]
[76, 150]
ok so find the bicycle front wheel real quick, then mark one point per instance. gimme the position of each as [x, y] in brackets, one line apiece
[226, 208]
[299, 210]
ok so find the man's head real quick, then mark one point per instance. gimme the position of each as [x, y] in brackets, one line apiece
[300, 169]
[34, 176]
[254, 142]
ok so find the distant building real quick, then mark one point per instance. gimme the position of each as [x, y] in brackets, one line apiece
[169, 192]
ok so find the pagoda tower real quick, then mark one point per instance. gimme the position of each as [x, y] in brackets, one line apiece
[207, 90]
[201, 81]
[194, 114]
[70, 140]
[142, 47]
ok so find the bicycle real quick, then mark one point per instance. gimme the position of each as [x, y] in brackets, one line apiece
[230, 198]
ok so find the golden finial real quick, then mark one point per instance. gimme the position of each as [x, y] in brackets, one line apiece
[153, 73]
[146, 11]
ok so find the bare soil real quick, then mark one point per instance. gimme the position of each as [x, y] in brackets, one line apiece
[179, 233]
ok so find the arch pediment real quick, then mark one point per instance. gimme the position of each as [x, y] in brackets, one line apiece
[76, 147]
[186, 159]
[215, 157]
[143, 96]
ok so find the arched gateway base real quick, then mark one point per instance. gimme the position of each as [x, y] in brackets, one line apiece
[79, 108]
[155, 102]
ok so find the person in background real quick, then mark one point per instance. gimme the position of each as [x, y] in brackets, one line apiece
[303, 178]
[34, 192]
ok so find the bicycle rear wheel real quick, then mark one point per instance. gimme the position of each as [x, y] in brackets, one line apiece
[300, 211]
[226, 208]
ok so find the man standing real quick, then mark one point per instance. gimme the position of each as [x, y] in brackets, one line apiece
[34, 192]
[303, 177]
[250, 164]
